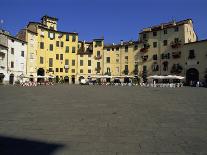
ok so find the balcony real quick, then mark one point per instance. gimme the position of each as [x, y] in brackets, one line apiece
[98, 57]
[176, 55]
[176, 44]
[98, 69]
[144, 58]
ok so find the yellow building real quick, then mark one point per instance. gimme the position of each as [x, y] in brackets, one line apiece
[120, 59]
[56, 54]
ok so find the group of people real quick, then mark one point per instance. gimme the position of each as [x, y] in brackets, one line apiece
[33, 84]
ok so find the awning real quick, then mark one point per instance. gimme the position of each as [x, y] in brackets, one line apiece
[166, 77]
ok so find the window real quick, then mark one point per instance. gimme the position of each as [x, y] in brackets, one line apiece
[108, 70]
[154, 33]
[50, 70]
[73, 62]
[51, 35]
[165, 31]
[57, 43]
[57, 70]
[81, 62]
[66, 62]
[57, 56]
[73, 49]
[50, 62]
[176, 40]
[191, 54]
[154, 57]
[165, 56]
[154, 44]
[41, 60]
[51, 47]
[165, 43]
[107, 59]
[112, 49]
[67, 49]
[41, 45]
[66, 70]
[126, 58]
[22, 53]
[176, 29]
[12, 50]
[165, 66]
[98, 67]
[67, 37]
[108, 49]
[73, 70]
[117, 60]
[144, 36]
[62, 44]
[126, 48]
[81, 70]
[12, 64]
[89, 71]
[98, 53]
[135, 47]
[73, 38]
[126, 71]
[61, 69]
[61, 56]
[117, 49]
[89, 62]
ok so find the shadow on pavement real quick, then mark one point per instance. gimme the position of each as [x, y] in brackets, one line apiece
[16, 146]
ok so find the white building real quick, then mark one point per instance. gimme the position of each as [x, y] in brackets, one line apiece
[3, 62]
[12, 58]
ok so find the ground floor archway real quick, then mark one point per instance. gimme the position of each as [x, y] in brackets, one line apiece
[73, 79]
[192, 76]
[40, 72]
[11, 79]
[66, 79]
[31, 79]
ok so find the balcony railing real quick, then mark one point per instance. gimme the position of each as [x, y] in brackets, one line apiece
[98, 69]
[98, 57]
[176, 44]
[176, 55]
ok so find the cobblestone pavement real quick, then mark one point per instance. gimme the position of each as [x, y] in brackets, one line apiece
[104, 120]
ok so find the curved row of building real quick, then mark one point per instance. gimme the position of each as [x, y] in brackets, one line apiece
[40, 50]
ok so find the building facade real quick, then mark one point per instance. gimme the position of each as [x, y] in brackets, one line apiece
[13, 58]
[54, 52]
[160, 50]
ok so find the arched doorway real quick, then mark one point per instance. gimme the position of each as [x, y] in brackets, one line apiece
[1, 78]
[40, 72]
[66, 79]
[192, 76]
[73, 79]
[11, 79]
[57, 79]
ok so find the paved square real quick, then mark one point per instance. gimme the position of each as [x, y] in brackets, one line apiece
[103, 120]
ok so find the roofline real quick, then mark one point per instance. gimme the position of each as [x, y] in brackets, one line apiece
[178, 23]
[3, 46]
[10, 36]
[199, 41]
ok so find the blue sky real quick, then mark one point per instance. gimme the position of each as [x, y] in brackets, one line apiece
[114, 19]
